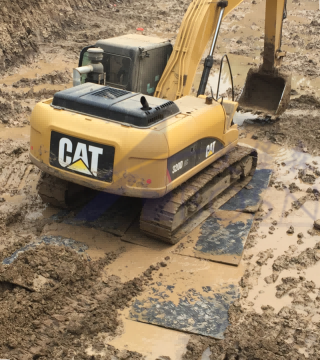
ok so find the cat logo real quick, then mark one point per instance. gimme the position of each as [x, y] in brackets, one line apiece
[82, 156]
[79, 162]
[210, 149]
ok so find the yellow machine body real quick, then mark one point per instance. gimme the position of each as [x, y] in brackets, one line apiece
[142, 166]
[150, 161]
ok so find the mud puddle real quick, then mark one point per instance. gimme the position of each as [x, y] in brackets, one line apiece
[20, 133]
[151, 341]
[283, 155]
[307, 5]
[288, 205]
[304, 85]
[239, 117]
[171, 286]
[38, 69]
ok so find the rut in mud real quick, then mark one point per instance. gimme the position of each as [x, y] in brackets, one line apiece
[79, 303]
[69, 311]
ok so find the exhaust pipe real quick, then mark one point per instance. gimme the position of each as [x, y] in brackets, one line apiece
[77, 72]
[94, 69]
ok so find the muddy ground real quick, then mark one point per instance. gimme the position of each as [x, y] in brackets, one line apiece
[277, 315]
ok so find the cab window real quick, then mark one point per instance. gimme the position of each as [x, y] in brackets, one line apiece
[117, 68]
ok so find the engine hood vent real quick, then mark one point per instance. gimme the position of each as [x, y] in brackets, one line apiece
[111, 93]
[114, 104]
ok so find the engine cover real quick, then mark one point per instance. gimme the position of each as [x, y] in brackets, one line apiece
[114, 104]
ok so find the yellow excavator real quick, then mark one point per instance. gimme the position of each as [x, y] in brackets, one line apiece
[129, 126]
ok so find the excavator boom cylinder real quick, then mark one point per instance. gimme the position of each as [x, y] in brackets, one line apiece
[209, 59]
[267, 89]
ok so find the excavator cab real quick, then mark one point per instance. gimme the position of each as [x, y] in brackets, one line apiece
[130, 62]
[151, 66]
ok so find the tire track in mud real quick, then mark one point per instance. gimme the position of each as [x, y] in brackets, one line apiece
[18, 179]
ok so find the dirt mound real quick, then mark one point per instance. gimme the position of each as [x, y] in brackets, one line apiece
[33, 22]
[37, 23]
[54, 78]
[12, 112]
[293, 130]
[73, 302]
[11, 96]
[17, 181]
[308, 102]
[16, 107]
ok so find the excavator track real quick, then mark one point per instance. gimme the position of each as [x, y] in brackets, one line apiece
[61, 193]
[162, 218]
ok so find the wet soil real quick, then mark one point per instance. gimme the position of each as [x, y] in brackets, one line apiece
[293, 129]
[68, 311]
[78, 303]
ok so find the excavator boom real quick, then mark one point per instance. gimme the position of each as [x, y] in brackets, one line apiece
[201, 23]
[196, 30]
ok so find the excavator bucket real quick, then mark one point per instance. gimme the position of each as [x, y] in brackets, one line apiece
[268, 88]
[266, 91]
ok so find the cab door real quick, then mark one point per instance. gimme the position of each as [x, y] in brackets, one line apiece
[152, 65]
